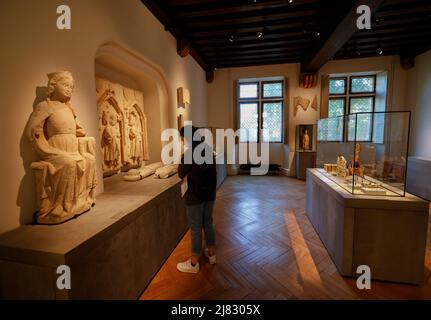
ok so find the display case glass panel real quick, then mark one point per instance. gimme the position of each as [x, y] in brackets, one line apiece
[366, 152]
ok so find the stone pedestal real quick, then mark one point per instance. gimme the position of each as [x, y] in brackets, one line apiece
[419, 177]
[113, 251]
[304, 160]
[388, 234]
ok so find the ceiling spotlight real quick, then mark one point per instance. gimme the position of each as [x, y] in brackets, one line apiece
[318, 33]
[231, 38]
[380, 51]
[259, 34]
[378, 20]
[290, 1]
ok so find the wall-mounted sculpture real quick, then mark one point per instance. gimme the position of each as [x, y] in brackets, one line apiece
[183, 97]
[122, 127]
[166, 171]
[111, 140]
[300, 102]
[314, 103]
[139, 174]
[65, 176]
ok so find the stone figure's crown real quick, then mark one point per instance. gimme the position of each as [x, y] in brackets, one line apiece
[58, 74]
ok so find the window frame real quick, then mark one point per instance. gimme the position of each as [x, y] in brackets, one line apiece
[263, 82]
[260, 100]
[245, 83]
[364, 92]
[239, 119]
[373, 97]
[346, 84]
[282, 119]
[348, 96]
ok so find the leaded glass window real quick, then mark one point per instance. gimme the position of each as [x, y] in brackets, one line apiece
[272, 120]
[249, 122]
[272, 90]
[336, 107]
[362, 84]
[248, 90]
[260, 107]
[337, 86]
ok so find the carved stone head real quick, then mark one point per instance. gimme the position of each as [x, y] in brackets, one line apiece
[60, 85]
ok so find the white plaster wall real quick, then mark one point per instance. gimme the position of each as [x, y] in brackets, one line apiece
[32, 46]
[419, 95]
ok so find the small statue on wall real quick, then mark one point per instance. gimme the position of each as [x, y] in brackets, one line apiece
[306, 140]
[135, 136]
[66, 175]
[111, 138]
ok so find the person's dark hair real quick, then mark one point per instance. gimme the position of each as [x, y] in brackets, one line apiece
[193, 130]
[187, 127]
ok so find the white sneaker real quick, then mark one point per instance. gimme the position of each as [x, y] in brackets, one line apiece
[212, 259]
[186, 266]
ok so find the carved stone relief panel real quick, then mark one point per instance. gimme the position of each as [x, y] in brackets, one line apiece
[122, 127]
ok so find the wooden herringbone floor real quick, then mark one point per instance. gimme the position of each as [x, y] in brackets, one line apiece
[267, 249]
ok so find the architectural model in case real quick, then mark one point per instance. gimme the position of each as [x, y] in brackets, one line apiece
[376, 145]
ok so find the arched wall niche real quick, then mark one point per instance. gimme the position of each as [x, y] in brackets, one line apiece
[121, 65]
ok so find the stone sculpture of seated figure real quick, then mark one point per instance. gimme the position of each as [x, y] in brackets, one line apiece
[65, 175]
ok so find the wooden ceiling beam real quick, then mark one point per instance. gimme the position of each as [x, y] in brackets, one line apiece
[248, 63]
[177, 30]
[272, 29]
[254, 44]
[266, 10]
[389, 38]
[236, 6]
[268, 20]
[342, 33]
[406, 11]
[228, 53]
[265, 38]
[267, 23]
[255, 47]
[399, 30]
[256, 56]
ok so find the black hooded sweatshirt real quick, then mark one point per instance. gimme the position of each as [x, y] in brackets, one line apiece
[201, 178]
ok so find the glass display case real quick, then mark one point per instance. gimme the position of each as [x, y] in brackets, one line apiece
[365, 153]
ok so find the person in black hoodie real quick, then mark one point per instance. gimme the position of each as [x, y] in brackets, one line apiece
[201, 182]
